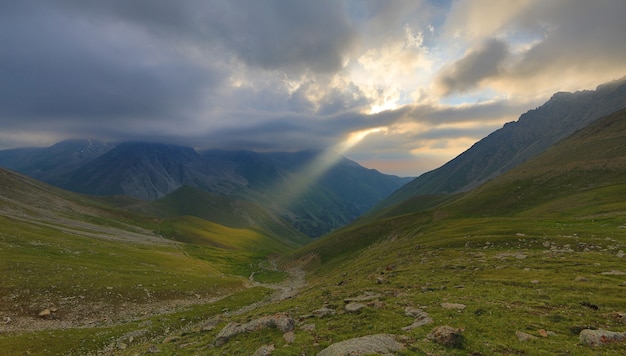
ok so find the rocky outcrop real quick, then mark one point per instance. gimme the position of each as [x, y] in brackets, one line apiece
[600, 337]
[447, 336]
[282, 322]
[380, 344]
[421, 318]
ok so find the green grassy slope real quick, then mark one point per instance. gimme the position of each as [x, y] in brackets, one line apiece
[222, 210]
[98, 269]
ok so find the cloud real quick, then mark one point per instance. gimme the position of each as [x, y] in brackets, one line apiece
[289, 75]
[477, 65]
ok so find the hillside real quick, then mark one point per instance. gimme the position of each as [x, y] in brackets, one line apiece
[518, 141]
[223, 210]
[87, 264]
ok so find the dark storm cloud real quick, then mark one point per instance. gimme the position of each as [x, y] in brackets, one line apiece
[480, 63]
[141, 62]
[55, 66]
[272, 34]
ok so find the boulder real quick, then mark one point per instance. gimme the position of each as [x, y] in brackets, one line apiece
[354, 307]
[447, 336]
[522, 336]
[323, 311]
[282, 322]
[380, 344]
[265, 350]
[600, 337]
[421, 318]
[453, 306]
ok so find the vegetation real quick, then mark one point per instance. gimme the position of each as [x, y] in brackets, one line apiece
[539, 251]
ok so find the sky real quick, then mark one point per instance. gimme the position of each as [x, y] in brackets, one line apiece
[417, 81]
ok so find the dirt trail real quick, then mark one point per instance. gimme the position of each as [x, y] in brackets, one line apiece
[287, 288]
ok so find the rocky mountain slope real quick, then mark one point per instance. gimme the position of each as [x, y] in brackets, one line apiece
[518, 141]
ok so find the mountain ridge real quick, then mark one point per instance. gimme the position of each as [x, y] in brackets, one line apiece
[517, 141]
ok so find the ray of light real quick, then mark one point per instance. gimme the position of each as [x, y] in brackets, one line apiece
[298, 183]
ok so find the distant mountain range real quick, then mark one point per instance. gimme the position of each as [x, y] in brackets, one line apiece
[150, 171]
[518, 141]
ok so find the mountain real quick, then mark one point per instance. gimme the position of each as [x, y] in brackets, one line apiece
[150, 171]
[51, 164]
[580, 177]
[516, 142]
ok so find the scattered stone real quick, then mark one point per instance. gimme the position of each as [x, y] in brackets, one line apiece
[45, 314]
[542, 333]
[354, 307]
[600, 337]
[211, 323]
[522, 336]
[153, 350]
[534, 281]
[289, 337]
[282, 322]
[367, 296]
[381, 280]
[265, 350]
[447, 336]
[308, 327]
[453, 306]
[613, 273]
[421, 318]
[380, 344]
[376, 304]
[323, 311]
[581, 279]
[620, 254]
[623, 284]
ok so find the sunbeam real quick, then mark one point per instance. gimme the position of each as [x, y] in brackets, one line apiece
[298, 183]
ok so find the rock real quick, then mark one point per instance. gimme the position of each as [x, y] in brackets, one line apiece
[534, 281]
[282, 322]
[380, 344]
[620, 254]
[354, 307]
[323, 311]
[447, 336]
[381, 280]
[421, 318]
[153, 350]
[522, 336]
[542, 333]
[265, 350]
[613, 273]
[308, 327]
[289, 337]
[453, 306]
[581, 279]
[45, 314]
[600, 337]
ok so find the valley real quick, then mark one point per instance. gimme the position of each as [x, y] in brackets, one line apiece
[530, 261]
